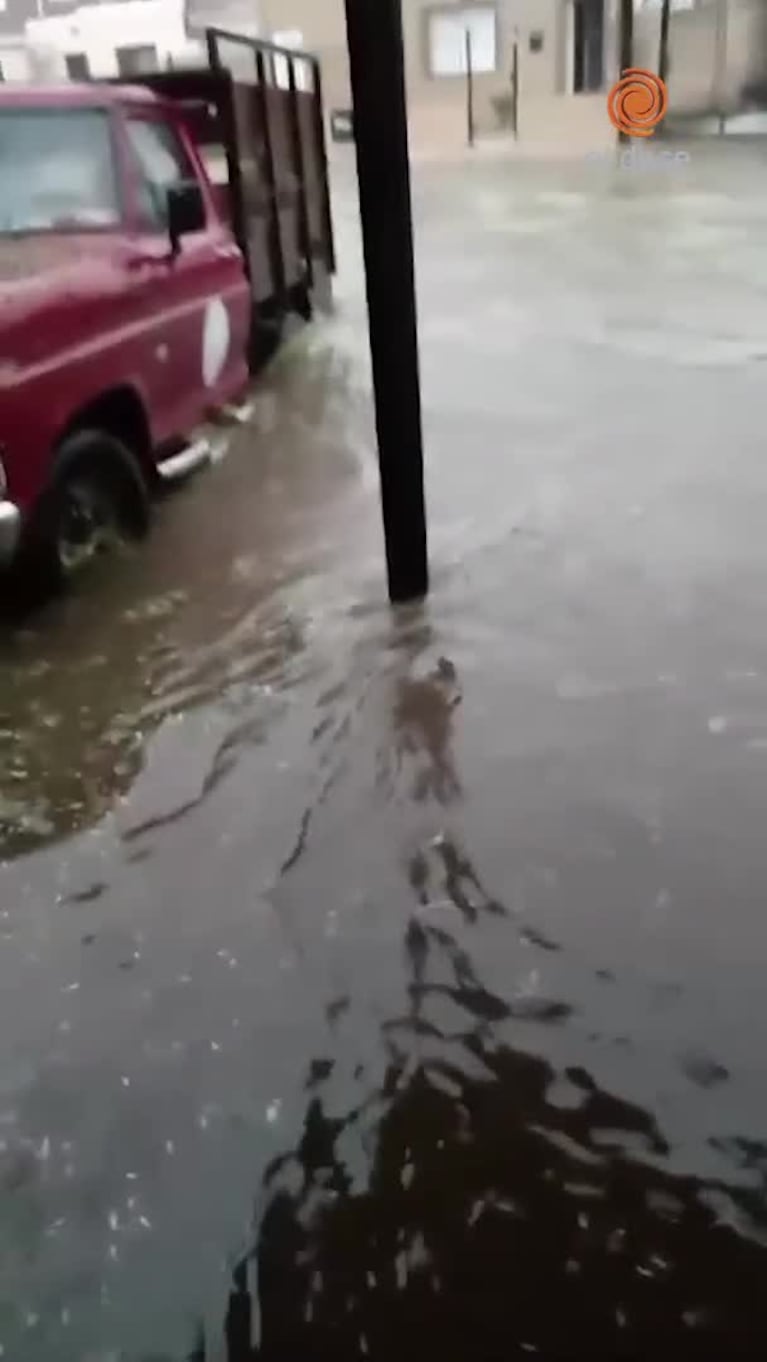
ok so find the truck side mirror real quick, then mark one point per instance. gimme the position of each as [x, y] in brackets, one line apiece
[186, 211]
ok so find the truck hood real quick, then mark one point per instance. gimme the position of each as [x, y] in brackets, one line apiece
[24, 259]
[52, 285]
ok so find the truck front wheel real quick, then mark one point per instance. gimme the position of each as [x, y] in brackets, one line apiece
[97, 495]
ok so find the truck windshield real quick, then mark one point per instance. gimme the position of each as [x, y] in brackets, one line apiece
[56, 170]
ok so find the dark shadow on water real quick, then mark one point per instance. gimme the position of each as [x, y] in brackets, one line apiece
[495, 1225]
[506, 1208]
[509, 1209]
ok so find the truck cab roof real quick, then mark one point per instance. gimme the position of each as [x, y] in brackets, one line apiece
[88, 95]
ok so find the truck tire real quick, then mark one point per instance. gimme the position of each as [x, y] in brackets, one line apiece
[302, 302]
[266, 332]
[97, 494]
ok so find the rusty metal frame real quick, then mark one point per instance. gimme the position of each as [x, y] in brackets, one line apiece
[262, 49]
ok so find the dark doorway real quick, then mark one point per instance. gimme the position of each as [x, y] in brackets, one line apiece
[588, 45]
[78, 66]
[137, 61]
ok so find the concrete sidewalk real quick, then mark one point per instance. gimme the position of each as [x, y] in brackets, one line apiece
[550, 127]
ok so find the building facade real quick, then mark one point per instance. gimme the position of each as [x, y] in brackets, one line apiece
[116, 38]
[57, 39]
[14, 16]
[557, 47]
[717, 53]
[566, 53]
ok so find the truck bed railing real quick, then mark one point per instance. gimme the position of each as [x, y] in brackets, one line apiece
[261, 115]
[283, 110]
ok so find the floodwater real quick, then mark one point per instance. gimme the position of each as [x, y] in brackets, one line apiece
[409, 966]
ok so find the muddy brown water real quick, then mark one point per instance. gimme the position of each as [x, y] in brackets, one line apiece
[411, 964]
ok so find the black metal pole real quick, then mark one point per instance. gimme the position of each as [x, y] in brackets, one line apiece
[211, 42]
[515, 88]
[665, 22]
[469, 91]
[299, 162]
[722, 43]
[377, 65]
[277, 250]
[626, 44]
[319, 129]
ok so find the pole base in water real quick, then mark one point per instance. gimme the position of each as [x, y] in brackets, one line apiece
[376, 58]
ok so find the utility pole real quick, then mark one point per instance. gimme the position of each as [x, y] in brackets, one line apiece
[720, 74]
[469, 91]
[377, 65]
[665, 22]
[626, 44]
[515, 87]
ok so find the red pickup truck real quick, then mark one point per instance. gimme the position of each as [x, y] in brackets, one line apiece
[131, 286]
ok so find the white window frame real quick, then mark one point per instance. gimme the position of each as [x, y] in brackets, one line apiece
[459, 17]
[293, 40]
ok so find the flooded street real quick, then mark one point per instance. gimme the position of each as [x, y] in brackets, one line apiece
[421, 952]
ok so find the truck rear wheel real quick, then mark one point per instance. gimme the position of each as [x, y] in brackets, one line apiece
[97, 496]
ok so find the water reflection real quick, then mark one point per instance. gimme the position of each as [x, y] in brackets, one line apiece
[421, 733]
[509, 1209]
[76, 735]
[184, 621]
[478, 1199]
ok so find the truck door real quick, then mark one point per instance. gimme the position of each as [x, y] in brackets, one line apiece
[196, 303]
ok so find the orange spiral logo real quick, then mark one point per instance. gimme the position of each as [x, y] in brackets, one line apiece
[638, 102]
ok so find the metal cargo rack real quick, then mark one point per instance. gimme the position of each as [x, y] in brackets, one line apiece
[257, 114]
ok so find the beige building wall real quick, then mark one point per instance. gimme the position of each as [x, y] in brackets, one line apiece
[551, 115]
[437, 104]
[715, 50]
[322, 25]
